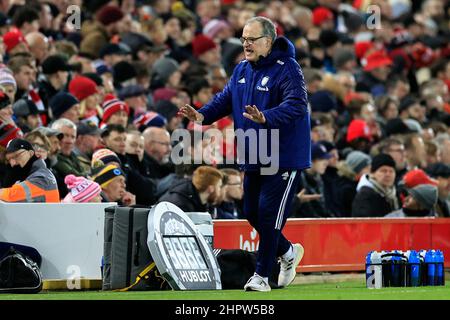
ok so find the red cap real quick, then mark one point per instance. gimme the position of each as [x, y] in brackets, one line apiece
[202, 44]
[377, 59]
[82, 87]
[12, 38]
[112, 105]
[358, 129]
[417, 176]
[362, 47]
[320, 14]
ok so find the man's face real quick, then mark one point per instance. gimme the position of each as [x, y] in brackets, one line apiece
[135, 145]
[397, 152]
[420, 153]
[116, 142]
[381, 73]
[211, 56]
[385, 176]
[160, 147]
[417, 111]
[256, 44]
[89, 142]
[319, 166]
[204, 95]
[411, 203]
[115, 190]
[73, 114]
[55, 145]
[33, 121]
[19, 157]
[68, 140]
[24, 77]
[233, 189]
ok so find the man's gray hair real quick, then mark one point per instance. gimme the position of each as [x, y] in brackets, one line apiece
[62, 123]
[268, 27]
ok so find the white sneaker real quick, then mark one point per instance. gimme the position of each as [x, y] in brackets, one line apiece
[257, 283]
[287, 267]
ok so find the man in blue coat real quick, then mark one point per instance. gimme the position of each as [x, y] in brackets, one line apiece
[266, 95]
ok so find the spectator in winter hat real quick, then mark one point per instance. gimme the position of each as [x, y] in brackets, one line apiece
[115, 111]
[96, 34]
[88, 139]
[81, 190]
[164, 94]
[376, 193]
[8, 129]
[376, 66]
[56, 73]
[7, 83]
[166, 73]
[15, 42]
[86, 91]
[65, 105]
[359, 136]
[205, 50]
[113, 53]
[218, 30]
[344, 60]
[103, 157]
[323, 17]
[135, 97]
[419, 202]
[27, 115]
[149, 119]
[323, 101]
[112, 181]
[124, 74]
[169, 111]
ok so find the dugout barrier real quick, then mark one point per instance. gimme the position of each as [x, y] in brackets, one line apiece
[68, 236]
[342, 244]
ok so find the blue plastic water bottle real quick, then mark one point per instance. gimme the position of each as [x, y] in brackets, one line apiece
[414, 268]
[431, 267]
[439, 258]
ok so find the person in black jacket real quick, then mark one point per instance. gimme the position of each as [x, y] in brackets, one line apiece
[195, 195]
[377, 195]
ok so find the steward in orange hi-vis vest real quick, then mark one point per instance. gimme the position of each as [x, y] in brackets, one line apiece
[34, 183]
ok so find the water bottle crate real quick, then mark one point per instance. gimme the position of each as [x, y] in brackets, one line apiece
[410, 268]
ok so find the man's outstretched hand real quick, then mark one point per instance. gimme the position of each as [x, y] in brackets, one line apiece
[254, 114]
[190, 113]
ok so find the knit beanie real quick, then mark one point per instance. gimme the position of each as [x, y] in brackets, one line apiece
[82, 87]
[61, 102]
[103, 157]
[167, 109]
[214, 26]
[80, 189]
[381, 160]
[109, 14]
[357, 160]
[106, 174]
[6, 77]
[425, 194]
[320, 14]
[149, 119]
[202, 44]
[123, 71]
[163, 68]
[112, 105]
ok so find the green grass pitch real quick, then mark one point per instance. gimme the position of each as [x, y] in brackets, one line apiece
[351, 290]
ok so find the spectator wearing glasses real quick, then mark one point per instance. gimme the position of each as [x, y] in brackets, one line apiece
[232, 193]
[157, 148]
[28, 178]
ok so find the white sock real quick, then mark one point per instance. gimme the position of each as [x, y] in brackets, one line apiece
[288, 254]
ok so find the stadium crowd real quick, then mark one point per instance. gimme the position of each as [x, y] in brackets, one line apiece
[87, 112]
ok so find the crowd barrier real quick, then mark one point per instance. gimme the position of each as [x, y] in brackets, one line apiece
[342, 244]
[69, 237]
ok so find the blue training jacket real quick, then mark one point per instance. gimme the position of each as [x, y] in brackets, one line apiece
[275, 85]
